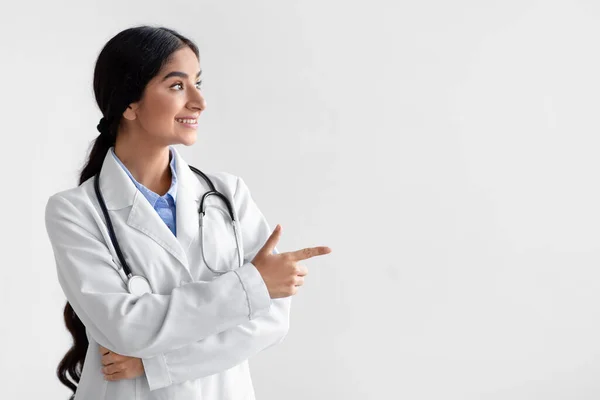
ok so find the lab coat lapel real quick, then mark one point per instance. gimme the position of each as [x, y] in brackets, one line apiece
[119, 192]
[189, 190]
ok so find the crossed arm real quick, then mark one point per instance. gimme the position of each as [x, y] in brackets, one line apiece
[201, 328]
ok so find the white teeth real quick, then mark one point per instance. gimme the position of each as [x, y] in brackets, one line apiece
[186, 121]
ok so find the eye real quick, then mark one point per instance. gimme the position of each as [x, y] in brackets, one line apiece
[179, 84]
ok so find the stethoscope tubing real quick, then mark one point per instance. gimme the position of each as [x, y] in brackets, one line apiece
[201, 212]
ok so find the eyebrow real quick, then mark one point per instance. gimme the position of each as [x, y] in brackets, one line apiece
[180, 74]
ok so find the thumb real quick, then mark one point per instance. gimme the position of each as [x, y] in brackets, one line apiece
[272, 241]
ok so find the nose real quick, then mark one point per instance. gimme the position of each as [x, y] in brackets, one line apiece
[196, 101]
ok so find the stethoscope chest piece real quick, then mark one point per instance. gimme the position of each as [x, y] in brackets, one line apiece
[138, 285]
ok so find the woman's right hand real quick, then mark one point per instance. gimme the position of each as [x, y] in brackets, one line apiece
[281, 272]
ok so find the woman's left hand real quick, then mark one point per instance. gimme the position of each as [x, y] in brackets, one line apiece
[117, 367]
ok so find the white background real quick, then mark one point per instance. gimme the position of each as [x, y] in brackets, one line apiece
[447, 152]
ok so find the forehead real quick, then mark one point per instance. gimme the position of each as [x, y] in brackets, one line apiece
[182, 60]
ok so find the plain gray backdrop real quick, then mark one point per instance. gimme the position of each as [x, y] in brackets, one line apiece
[447, 152]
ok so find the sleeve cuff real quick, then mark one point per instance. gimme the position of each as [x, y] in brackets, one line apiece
[156, 372]
[257, 294]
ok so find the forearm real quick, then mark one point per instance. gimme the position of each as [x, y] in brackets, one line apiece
[221, 351]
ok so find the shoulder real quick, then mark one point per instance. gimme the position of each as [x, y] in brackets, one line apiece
[78, 195]
[227, 182]
[76, 201]
[223, 179]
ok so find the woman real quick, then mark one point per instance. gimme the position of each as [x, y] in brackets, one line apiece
[211, 297]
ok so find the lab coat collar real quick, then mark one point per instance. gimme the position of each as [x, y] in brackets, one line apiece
[119, 192]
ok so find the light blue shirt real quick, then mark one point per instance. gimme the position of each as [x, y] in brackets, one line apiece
[164, 205]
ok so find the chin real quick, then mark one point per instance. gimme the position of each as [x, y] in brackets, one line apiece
[188, 140]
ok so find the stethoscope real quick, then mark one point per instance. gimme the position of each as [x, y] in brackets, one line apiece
[138, 285]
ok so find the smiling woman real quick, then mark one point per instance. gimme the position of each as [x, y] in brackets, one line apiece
[192, 288]
[147, 85]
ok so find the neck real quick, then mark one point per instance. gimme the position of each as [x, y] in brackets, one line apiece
[147, 162]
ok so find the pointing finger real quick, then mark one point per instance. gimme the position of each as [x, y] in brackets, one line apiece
[309, 252]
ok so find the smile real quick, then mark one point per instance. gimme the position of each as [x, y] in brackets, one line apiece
[187, 121]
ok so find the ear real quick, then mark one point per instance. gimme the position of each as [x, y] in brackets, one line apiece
[130, 112]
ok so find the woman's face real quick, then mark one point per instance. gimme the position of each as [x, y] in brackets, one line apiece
[171, 104]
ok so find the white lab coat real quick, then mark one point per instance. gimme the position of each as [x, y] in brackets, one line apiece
[197, 330]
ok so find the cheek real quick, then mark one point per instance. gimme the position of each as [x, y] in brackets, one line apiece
[161, 110]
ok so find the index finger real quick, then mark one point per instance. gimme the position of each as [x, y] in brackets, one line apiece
[309, 252]
[103, 350]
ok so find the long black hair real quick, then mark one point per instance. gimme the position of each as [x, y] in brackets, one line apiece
[124, 67]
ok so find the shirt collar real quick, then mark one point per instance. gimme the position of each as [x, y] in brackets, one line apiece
[149, 194]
